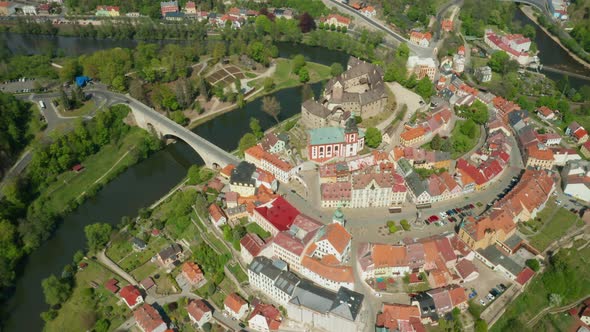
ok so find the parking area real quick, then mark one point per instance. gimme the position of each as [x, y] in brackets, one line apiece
[487, 280]
[452, 215]
[21, 85]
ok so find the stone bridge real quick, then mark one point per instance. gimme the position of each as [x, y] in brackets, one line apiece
[542, 5]
[148, 119]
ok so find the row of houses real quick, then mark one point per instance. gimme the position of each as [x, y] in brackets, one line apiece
[436, 121]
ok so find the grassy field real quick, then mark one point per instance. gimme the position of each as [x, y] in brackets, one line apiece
[574, 284]
[237, 271]
[551, 224]
[256, 229]
[130, 260]
[85, 109]
[284, 78]
[70, 185]
[81, 311]
[471, 141]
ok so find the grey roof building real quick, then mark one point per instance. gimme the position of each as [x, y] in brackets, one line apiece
[272, 278]
[496, 259]
[242, 174]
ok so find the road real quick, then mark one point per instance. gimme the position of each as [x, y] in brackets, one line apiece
[425, 52]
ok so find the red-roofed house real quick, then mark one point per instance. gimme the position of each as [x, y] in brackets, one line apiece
[419, 38]
[235, 305]
[199, 312]
[467, 270]
[193, 274]
[111, 285]
[458, 297]
[190, 8]
[369, 11]
[545, 113]
[265, 318]
[333, 240]
[131, 295]
[447, 25]
[275, 216]
[400, 317]
[578, 132]
[148, 319]
[250, 246]
[539, 157]
[337, 20]
[216, 215]
[524, 276]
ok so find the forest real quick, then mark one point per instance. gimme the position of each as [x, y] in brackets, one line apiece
[15, 118]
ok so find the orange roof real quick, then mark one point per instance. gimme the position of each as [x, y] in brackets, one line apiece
[397, 317]
[234, 302]
[546, 111]
[192, 272]
[339, 18]
[368, 9]
[340, 273]
[256, 152]
[338, 237]
[580, 133]
[197, 308]
[438, 278]
[215, 212]
[385, 255]
[540, 154]
[226, 171]
[413, 133]
[419, 35]
[457, 295]
[263, 195]
[277, 162]
[430, 251]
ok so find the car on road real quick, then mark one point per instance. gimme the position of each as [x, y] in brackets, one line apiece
[378, 295]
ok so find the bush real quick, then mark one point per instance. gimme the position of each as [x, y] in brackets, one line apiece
[533, 264]
[392, 227]
[405, 224]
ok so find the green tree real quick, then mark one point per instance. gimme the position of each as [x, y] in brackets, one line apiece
[297, 63]
[272, 107]
[468, 128]
[303, 75]
[481, 325]
[97, 235]
[247, 141]
[436, 142]
[424, 88]
[268, 84]
[336, 69]
[70, 69]
[256, 128]
[102, 325]
[533, 264]
[499, 61]
[56, 291]
[373, 137]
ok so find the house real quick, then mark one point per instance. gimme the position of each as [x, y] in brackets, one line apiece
[107, 11]
[168, 7]
[484, 232]
[332, 239]
[399, 317]
[199, 312]
[29, 10]
[497, 259]
[545, 113]
[447, 25]
[467, 270]
[539, 156]
[585, 316]
[216, 215]
[577, 132]
[338, 21]
[190, 8]
[483, 74]
[111, 285]
[7, 8]
[272, 143]
[272, 278]
[327, 272]
[169, 255]
[324, 309]
[575, 180]
[265, 318]
[515, 45]
[250, 246]
[148, 319]
[174, 16]
[138, 244]
[585, 149]
[269, 162]
[420, 38]
[413, 136]
[421, 67]
[369, 11]
[131, 296]
[275, 216]
[193, 274]
[241, 179]
[236, 214]
[235, 306]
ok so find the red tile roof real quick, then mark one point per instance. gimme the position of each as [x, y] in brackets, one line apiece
[216, 212]
[524, 276]
[337, 236]
[338, 273]
[192, 272]
[111, 285]
[400, 317]
[197, 308]
[130, 293]
[279, 213]
[413, 133]
[234, 302]
[540, 154]
[270, 313]
[339, 18]
[457, 295]
[252, 243]
[148, 318]
[465, 268]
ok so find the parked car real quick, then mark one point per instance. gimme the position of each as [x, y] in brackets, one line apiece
[502, 287]
[495, 292]
[482, 302]
[490, 297]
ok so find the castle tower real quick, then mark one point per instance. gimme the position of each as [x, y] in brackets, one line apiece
[338, 217]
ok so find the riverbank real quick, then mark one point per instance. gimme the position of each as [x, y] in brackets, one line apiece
[528, 11]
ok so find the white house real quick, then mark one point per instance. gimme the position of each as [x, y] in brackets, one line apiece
[333, 239]
[29, 10]
[199, 313]
[369, 11]
[235, 306]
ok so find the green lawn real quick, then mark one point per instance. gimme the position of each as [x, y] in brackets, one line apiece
[554, 223]
[284, 78]
[225, 288]
[85, 109]
[81, 311]
[134, 259]
[470, 142]
[572, 283]
[256, 229]
[70, 185]
[237, 271]
[144, 271]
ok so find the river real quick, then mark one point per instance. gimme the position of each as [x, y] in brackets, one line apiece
[552, 55]
[140, 185]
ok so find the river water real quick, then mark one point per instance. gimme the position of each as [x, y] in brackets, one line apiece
[141, 184]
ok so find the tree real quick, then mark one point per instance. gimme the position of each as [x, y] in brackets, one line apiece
[306, 22]
[102, 325]
[373, 137]
[481, 325]
[256, 128]
[269, 84]
[65, 101]
[56, 291]
[336, 69]
[436, 142]
[468, 128]
[271, 106]
[194, 174]
[70, 69]
[533, 264]
[247, 141]
[303, 75]
[498, 61]
[97, 235]
[424, 88]
[297, 63]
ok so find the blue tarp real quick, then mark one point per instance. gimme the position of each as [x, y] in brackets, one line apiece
[82, 80]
